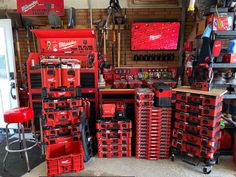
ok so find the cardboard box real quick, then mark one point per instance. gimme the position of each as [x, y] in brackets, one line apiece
[201, 25]
[223, 22]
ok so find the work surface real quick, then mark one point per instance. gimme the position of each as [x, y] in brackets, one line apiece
[213, 92]
[144, 168]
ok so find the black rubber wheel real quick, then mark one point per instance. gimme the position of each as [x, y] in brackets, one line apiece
[206, 170]
[217, 161]
[172, 157]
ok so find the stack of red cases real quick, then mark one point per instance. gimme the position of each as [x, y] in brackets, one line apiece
[143, 112]
[153, 128]
[113, 133]
[61, 108]
[197, 128]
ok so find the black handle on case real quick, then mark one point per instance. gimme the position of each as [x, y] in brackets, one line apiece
[84, 138]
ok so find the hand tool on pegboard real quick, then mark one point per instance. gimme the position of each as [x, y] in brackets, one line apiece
[54, 20]
[124, 44]
[71, 18]
[90, 14]
[16, 20]
[98, 25]
[113, 41]
[119, 21]
[27, 22]
[113, 9]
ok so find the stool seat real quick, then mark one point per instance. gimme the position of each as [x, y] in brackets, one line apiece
[18, 115]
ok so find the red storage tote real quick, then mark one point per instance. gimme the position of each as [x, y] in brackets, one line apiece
[70, 70]
[63, 158]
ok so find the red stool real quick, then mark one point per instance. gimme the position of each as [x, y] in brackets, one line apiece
[19, 116]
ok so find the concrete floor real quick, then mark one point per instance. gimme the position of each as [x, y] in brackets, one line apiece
[144, 168]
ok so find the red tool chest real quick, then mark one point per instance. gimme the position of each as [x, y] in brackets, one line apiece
[196, 132]
[67, 45]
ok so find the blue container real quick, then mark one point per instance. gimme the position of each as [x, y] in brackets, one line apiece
[232, 46]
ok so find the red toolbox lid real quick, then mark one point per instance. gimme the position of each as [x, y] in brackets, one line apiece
[73, 41]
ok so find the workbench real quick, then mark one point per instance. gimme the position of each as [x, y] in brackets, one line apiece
[213, 92]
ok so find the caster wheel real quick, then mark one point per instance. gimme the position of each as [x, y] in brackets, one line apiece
[207, 170]
[217, 161]
[4, 168]
[172, 157]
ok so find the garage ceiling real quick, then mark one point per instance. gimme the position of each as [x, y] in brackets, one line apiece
[155, 3]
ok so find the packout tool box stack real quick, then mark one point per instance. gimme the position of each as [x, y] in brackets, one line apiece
[196, 133]
[153, 123]
[114, 131]
[64, 124]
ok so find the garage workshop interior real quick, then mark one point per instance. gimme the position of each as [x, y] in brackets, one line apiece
[140, 88]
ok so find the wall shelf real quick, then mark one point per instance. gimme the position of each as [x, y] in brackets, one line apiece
[224, 65]
[230, 96]
[224, 34]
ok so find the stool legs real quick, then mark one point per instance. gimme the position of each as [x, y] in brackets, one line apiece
[25, 147]
[7, 145]
[20, 141]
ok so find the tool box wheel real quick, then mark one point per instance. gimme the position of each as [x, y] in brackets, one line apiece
[172, 157]
[217, 161]
[207, 170]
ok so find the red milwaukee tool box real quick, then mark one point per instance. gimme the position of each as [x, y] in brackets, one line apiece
[70, 70]
[114, 141]
[200, 141]
[51, 73]
[70, 41]
[55, 104]
[197, 129]
[114, 154]
[108, 110]
[113, 124]
[58, 131]
[61, 139]
[40, 7]
[65, 157]
[114, 134]
[112, 148]
[74, 103]
[194, 150]
[163, 94]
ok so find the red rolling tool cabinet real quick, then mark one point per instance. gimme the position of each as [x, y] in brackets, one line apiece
[65, 44]
[196, 134]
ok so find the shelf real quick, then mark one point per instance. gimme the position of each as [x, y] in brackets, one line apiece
[225, 34]
[230, 96]
[224, 65]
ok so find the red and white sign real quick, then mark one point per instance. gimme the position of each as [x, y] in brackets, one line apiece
[40, 7]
